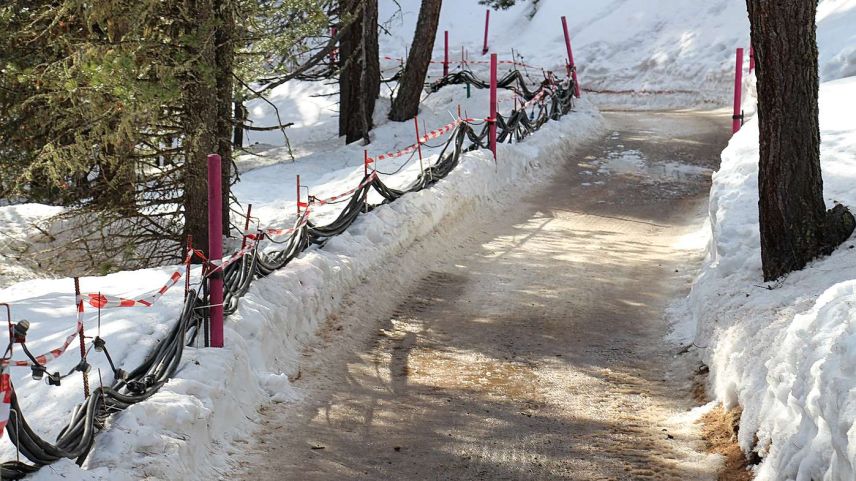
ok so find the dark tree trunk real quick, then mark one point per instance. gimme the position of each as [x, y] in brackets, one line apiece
[359, 79]
[406, 103]
[200, 118]
[371, 61]
[240, 119]
[795, 225]
[225, 57]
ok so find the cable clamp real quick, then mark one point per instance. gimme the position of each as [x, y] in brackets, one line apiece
[19, 331]
[83, 366]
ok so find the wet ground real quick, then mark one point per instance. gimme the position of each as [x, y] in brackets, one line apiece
[533, 350]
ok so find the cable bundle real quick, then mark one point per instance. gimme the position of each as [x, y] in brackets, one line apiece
[76, 438]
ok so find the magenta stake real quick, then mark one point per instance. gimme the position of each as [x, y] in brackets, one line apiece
[492, 120]
[486, 28]
[446, 57]
[751, 59]
[738, 93]
[571, 66]
[215, 248]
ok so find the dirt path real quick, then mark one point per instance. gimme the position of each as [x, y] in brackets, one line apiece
[534, 351]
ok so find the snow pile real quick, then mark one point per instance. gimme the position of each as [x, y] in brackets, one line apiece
[783, 351]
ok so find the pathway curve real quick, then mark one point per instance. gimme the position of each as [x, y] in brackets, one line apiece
[535, 350]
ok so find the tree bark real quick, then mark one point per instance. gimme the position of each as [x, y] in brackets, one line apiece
[359, 78]
[795, 224]
[225, 58]
[406, 103]
[199, 118]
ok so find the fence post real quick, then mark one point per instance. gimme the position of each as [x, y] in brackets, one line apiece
[418, 142]
[215, 248]
[247, 226]
[751, 59]
[571, 65]
[446, 56]
[366, 164]
[298, 194]
[486, 28]
[737, 118]
[492, 120]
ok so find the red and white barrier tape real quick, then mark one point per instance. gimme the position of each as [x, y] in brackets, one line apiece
[100, 301]
[434, 134]
[476, 62]
[271, 232]
[368, 180]
[44, 358]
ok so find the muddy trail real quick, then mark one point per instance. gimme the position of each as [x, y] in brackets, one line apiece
[533, 348]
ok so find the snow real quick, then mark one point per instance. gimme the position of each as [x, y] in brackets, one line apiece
[782, 354]
[17, 238]
[783, 351]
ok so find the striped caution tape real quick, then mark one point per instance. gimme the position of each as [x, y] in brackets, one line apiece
[368, 180]
[475, 62]
[100, 301]
[434, 134]
[271, 232]
[44, 358]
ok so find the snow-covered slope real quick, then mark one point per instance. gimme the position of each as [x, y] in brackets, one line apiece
[657, 53]
[785, 351]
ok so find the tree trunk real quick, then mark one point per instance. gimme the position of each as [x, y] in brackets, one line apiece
[200, 118]
[406, 103]
[359, 79]
[370, 80]
[795, 225]
[240, 119]
[225, 57]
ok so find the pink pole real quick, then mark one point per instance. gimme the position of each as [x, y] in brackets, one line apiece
[571, 64]
[298, 195]
[446, 57]
[366, 164]
[751, 59]
[492, 120]
[486, 28]
[215, 248]
[738, 93]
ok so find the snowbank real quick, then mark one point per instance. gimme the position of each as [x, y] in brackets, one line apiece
[784, 351]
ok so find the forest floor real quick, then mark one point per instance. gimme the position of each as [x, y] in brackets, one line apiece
[533, 347]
